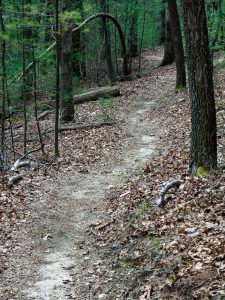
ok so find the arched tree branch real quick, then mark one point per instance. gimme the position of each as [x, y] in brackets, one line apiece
[121, 35]
[99, 15]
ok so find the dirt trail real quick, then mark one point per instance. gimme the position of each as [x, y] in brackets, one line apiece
[71, 204]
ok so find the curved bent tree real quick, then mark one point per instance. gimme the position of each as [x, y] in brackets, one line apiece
[120, 31]
[203, 112]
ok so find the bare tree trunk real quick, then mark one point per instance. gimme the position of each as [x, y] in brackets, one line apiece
[203, 112]
[169, 54]
[48, 29]
[27, 30]
[76, 42]
[162, 28]
[178, 45]
[142, 36]
[35, 101]
[24, 94]
[3, 96]
[66, 86]
[108, 52]
[57, 78]
[133, 35]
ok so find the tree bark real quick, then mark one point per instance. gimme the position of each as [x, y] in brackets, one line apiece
[107, 43]
[76, 42]
[203, 112]
[169, 54]
[177, 44]
[66, 86]
[163, 25]
[27, 30]
[96, 94]
[133, 35]
[57, 81]
[48, 30]
[3, 84]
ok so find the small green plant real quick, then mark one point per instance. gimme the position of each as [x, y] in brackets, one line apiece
[30, 113]
[107, 109]
[126, 264]
[41, 106]
[155, 242]
[142, 209]
[201, 171]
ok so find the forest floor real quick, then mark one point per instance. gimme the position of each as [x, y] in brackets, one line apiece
[88, 227]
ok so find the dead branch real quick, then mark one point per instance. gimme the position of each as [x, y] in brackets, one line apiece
[31, 151]
[20, 163]
[94, 95]
[166, 187]
[80, 127]
[14, 179]
[18, 77]
[120, 31]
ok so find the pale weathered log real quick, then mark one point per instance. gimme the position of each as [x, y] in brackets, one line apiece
[20, 164]
[94, 95]
[14, 179]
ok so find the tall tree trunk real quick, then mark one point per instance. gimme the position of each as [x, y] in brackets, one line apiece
[48, 29]
[66, 86]
[203, 112]
[27, 30]
[57, 88]
[108, 53]
[169, 54]
[24, 85]
[133, 35]
[162, 25]
[177, 44]
[3, 94]
[76, 42]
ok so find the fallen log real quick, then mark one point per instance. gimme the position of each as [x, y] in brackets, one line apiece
[106, 92]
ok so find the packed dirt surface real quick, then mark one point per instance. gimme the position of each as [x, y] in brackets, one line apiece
[50, 253]
[87, 226]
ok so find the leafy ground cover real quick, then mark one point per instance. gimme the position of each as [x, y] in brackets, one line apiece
[175, 252]
[137, 250]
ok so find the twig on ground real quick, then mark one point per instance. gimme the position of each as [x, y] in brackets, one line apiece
[79, 127]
